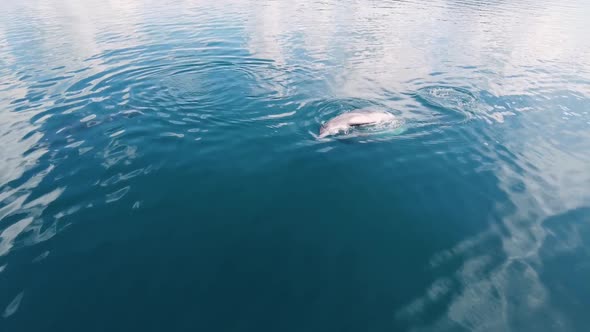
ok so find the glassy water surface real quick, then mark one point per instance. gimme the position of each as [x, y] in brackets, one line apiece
[160, 168]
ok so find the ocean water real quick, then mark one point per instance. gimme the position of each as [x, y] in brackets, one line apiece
[160, 168]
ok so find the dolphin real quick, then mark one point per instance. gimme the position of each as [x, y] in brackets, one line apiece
[364, 117]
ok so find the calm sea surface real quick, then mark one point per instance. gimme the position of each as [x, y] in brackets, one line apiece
[160, 168]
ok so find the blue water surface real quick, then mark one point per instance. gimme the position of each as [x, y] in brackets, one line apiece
[160, 168]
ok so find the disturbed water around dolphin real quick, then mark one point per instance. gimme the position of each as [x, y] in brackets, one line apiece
[160, 168]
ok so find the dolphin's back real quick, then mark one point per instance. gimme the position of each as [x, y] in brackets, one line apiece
[360, 118]
[347, 120]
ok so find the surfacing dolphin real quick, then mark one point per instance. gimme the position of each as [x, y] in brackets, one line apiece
[344, 122]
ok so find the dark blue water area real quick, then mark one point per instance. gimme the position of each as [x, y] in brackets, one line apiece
[161, 167]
